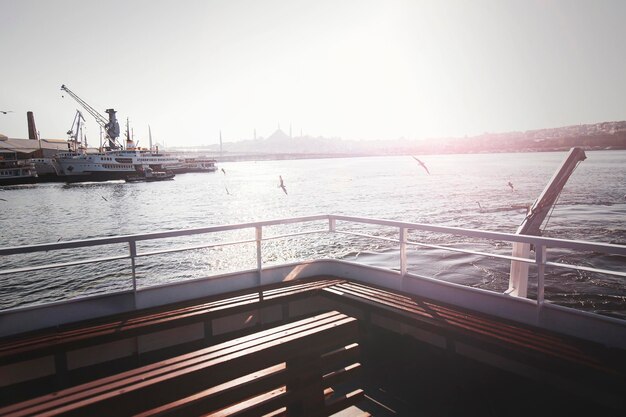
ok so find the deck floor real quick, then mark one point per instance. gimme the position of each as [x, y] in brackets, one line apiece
[403, 377]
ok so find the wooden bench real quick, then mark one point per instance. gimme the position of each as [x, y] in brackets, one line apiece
[589, 369]
[62, 356]
[279, 371]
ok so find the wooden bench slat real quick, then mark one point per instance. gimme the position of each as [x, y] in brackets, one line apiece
[344, 354]
[222, 395]
[341, 375]
[253, 406]
[337, 404]
[281, 412]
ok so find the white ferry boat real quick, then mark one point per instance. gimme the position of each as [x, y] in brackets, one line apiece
[150, 176]
[114, 163]
[47, 169]
[14, 171]
[110, 165]
[200, 164]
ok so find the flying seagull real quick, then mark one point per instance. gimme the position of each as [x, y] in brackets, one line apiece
[422, 164]
[6, 111]
[223, 171]
[226, 188]
[282, 184]
[510, 184]
[104, 198]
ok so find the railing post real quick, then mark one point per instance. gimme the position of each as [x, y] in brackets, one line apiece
[259, 259]
[540, 260]
[403, 266]
[133, 253]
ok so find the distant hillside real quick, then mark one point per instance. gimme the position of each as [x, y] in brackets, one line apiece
[606, 135]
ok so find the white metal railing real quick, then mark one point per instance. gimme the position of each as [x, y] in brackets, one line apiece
[541, 245]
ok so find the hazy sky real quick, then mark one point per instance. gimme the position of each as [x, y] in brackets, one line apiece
[353, 69]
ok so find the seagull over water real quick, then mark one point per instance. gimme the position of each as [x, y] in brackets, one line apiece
[6, 111]
[282, 184]
[422, 164]
[510, 184]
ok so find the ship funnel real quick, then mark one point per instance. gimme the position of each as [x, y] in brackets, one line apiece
[32, 130]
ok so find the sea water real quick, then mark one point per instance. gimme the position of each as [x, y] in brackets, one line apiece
[468, 191]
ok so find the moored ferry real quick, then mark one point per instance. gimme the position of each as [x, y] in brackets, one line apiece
[14, 171]
[110, 165]
[193, 164]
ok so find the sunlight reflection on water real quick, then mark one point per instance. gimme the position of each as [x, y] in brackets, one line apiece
[467, 191]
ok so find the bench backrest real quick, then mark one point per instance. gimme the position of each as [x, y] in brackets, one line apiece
[286, 359]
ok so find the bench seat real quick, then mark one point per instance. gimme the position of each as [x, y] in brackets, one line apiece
[286, 363]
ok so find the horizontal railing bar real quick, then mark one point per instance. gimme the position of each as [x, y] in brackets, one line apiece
[228, 243]
[427, 245]
[387, 239]
[511, 237]
[186, 248]
[536, 240]
[61, 265]
[155, 235]
[472, 252]
[587, 268]
[306, 232]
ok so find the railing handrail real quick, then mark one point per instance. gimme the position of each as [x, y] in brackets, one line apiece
[99, 241]
[540, 259]
[510, 237]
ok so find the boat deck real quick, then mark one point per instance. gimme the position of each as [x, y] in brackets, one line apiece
[417, 356]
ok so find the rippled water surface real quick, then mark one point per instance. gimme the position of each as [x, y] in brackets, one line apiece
[467, 191]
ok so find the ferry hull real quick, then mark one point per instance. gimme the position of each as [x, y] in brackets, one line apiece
[96, 176]
[18, 181]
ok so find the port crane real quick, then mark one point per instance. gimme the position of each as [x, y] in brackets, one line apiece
[111, 127]
[75, 133]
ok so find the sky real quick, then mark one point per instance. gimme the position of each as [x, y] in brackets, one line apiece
[354, 69]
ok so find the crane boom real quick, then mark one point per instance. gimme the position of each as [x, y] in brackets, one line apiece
[111, 127]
